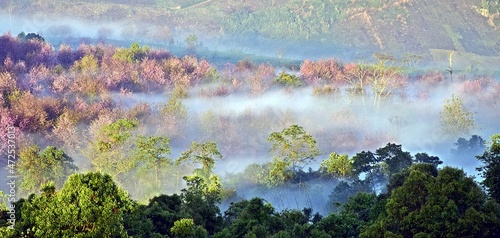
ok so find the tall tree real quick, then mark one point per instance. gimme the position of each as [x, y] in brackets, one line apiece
[428, 159]
[151, 155]
[38, 167]
[337, 165]
[294, 146]
[456, 120]
[205, 154]
[447, 205]
[88, 205]
[490, 171]
[109, 151]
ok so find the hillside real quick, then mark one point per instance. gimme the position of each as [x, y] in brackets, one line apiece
[308, 28]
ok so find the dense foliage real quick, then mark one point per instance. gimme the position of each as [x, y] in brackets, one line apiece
[109, 161]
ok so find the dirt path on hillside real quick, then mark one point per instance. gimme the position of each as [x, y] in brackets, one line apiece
[197, 4]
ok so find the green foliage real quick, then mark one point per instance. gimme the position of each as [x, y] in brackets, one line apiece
[288, 80]
[337, 165]
[133, 54]
[88, 205]
[87, 65]
[449, 204]
[185, 228]
[205, 154]
[345, 190]
[382, 164]
[153, 165]
[115, 133]
[200, 204]
[292, 148]
[38, 167]
[191, 40]
[156, 218]
[246, 217]
[108, 152]
[493, 6]
[490, 170]
[174, 113]
[456, 120]
[425, 158]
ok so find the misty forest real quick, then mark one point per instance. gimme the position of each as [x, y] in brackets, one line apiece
[229, 118]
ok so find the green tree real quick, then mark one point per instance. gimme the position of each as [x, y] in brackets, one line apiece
[395, 158]
[383, 77]
[192, 42]
[156, 218]
[428, 159]
[133, 54]
[173, 114]
[381, 165]
[490, 170]
[294, 146]
[87, 65]
[88, 205]
[447, 205]
[39, 167]
[456, 120]
[205, 154]
[247, 217]
[150, 154]
[109, 151]
[288, 80]
[185, 228]
[337, 165]
[200, 204]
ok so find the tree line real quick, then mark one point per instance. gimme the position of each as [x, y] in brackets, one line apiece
[419, 200]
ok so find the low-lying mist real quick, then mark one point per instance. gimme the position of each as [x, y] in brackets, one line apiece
[340, 122]
[240, 118]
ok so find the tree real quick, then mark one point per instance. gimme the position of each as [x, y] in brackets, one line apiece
[357, 76]
[383, 77]
[109, 150]
[428, 159]
[395, 158]
[88, 205]
[288, 80]
[245, 216]
[39, 167]
[490, 171]
[185, 228]
[337, 165]
[469, 148]
[133, 54]
[449, 204]
[379, 167]
[294, 146]
[191, 41]
[150, 154]
[30, 36]
[173, 115]
[456, 120]
[293, 149]
[205, 154]
[200, 203]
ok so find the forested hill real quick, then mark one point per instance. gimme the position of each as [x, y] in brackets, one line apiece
[367, 26]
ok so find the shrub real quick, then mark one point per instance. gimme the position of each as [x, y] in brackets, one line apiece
[288, 80]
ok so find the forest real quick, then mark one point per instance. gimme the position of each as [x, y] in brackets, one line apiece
[138, 142]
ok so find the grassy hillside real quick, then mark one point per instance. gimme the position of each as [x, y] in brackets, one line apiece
[393, 26]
